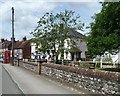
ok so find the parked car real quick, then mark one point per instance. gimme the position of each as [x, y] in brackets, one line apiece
[1, 60]
[40, 57]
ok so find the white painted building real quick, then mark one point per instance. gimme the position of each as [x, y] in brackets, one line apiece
[75, 53]
[116, 58]
[108, 58]
[33, 49]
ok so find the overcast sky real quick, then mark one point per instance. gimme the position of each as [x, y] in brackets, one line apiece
[28, 12]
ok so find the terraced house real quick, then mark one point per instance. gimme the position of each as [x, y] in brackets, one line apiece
[22, 49]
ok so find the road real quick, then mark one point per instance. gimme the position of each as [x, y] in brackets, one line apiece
[8, 85]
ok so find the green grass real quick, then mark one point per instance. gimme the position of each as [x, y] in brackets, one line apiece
[111, 69]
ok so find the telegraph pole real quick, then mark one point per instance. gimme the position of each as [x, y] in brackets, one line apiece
[12, 36]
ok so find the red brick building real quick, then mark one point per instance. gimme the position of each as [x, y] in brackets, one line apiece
[23, 49]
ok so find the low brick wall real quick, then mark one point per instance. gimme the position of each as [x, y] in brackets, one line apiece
[102, 82]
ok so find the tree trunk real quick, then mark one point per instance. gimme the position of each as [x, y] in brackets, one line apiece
[56, 59]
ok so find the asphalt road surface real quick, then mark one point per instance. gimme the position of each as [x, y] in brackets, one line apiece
[8, 85]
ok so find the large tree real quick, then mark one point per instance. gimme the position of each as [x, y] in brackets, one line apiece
[52, 30]
[105, 30]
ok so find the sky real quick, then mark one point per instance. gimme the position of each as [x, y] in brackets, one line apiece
[28, 13]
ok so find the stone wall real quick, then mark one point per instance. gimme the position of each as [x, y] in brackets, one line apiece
[101, 82]
[30, 66]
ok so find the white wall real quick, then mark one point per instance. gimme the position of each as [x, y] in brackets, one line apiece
[18, 53]
[33, 49]
[79, 43]
[119, 57]
[116, 58]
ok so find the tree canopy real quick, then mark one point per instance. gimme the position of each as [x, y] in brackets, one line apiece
[52, 30]
[105, 30]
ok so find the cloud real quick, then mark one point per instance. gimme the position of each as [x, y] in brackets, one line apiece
[86, 10]
[86, 5]
[62, 0]
[27, 14]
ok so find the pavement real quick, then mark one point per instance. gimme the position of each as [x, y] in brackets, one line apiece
[0, 79]
[31, 83]
[8, 85]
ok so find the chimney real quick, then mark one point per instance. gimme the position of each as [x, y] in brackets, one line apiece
[24, 38]
[2, 40]
[14, 39]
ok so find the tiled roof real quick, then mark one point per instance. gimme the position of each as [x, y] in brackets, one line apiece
[21, 44]
[0, 45]
[76, 34]
[5, 44]
[17, 44]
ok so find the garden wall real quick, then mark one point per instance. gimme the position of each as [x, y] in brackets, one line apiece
[102, 82]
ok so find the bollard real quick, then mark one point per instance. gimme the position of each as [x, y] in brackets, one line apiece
[39, 68]
[18, 62]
